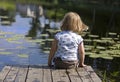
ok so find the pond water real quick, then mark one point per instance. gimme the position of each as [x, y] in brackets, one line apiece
[18, 45]
[15, 49]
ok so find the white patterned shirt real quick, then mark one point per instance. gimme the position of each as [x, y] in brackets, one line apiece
[68, 42]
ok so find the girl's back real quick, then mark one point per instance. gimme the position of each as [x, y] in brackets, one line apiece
[68, 42]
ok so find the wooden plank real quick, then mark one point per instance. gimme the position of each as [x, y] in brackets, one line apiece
[84, 75]
[60, 75]
[12, 74]
[4, 73]
[63, 75]
[47, 74]
[74, 77]
[35, 74]
[92, 74]
[55, 75]
[21, 76]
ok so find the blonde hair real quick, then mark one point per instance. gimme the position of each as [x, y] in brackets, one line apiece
[73, 22]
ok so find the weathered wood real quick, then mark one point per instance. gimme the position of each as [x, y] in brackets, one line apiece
[55, 75]
[92, 74]
[84, 75]
[74, 77]
[47, 74]
[35, 74]
[22, 74]
[12, 74]
[4, 73]
[63, 75]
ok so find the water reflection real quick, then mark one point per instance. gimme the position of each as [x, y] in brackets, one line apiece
[29, 21]
[6, 17]
[29, 10]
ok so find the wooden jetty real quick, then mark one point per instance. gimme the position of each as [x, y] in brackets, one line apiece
[46, 74]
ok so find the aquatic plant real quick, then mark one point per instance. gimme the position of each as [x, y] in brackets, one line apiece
[23, 55]
[5, 53]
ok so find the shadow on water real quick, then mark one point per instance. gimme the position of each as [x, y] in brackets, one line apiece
[26, 34]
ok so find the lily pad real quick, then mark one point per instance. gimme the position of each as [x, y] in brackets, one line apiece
[3, 33]
[52, 30]
[46, 51]
[101, 48]
[111, 33]
[115, 55]
[44, 35]
[105, 38]
[6, 53]
[46, 48]
[36, 40]
[94, 56]
[23, 55]
[89, 53]
[93, 36]
[15, 42]
[2, 36]
[107, 57]
[49, 39]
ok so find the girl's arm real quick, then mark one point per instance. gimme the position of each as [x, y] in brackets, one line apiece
[81, 54]
[52, 52]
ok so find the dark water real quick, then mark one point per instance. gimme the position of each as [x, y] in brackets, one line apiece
[17, 49]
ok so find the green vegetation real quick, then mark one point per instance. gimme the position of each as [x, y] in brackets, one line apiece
[7, 5]
[105, 47]
[5, 53]
[23, 55]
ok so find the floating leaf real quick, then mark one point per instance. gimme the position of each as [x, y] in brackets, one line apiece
[106, 56]
[94, 56]
[44, 35]
[2, 36]
[23, 55]
[111, 33]
[37, 40]
[42, 43]
[46, 52]
[20, 47]
[5, 53]
[87, 40]
[3, 33]
[115, 55]
[53, 30]
[49, 39]
[93, 36]
[106, 39]
[89, 53]
[46, 48]
[101, 48]
[15, 42]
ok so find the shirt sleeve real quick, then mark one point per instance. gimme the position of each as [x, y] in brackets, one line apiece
[80, 39]
[56, 36]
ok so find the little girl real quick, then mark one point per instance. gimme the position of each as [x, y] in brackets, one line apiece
[67, 49]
